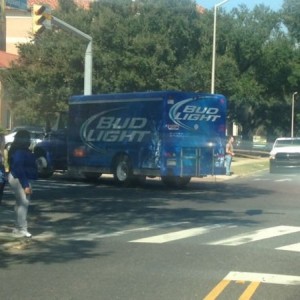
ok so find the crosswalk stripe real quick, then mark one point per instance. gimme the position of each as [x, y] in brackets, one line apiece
[235, 240]
[257, 235]
[263, 277]
[293, 247]
[173, 236]
[96, 235]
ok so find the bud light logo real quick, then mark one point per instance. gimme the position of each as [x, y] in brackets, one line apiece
[190, 112]
[110, 126]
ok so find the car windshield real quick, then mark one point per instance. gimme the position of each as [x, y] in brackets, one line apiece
[285, 143]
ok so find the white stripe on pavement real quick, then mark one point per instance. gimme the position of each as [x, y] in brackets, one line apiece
[283, 180]
[257, 235]
[178, 235]
[264, 278]
[168, 237]
[293, 247]
[90, 236]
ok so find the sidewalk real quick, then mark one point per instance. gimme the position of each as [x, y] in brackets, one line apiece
[240, 167]
[9, 243]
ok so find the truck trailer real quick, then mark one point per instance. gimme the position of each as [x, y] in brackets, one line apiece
[168, 134]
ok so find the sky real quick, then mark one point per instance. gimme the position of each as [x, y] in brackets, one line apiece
[273, 4]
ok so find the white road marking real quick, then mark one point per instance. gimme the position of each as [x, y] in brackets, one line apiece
[168, 237]
[264, 278]
[293, 247]
[257, 235]
[92, 236]
[283, 180]
[178, 235]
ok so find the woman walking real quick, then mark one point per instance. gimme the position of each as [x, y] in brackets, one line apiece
[22, 169]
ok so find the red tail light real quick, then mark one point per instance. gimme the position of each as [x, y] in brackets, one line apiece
[79, 152]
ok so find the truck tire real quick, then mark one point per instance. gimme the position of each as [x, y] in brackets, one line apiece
[123, 171]
[44, 170]
[175, 181]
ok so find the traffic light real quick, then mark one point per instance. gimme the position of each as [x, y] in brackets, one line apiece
[40, 16]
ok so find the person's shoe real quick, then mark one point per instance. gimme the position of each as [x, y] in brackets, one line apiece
[21, 233]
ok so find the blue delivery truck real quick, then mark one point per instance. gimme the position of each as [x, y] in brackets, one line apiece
[170, 134]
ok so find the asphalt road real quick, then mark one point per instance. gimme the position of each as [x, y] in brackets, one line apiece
[233, 239]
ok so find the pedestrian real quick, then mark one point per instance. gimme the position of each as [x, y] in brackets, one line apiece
[22, 169]
[229, 154]
[2, 167]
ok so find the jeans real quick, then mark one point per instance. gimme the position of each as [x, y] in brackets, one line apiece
[228, 159]
[22, 202]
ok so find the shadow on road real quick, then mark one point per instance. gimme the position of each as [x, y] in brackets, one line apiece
[75, 208]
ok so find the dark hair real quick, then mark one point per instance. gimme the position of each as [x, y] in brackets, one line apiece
[21, 142]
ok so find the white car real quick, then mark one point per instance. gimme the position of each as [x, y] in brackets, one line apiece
[285, 155]
[36, 134]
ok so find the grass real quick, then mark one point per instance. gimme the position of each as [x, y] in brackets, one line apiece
[244, 166]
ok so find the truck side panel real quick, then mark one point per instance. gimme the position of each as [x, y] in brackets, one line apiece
[163, 133]
[105, 129]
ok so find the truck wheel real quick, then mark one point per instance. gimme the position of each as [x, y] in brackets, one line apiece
[175, 181]
[123, 171]
[44, 170]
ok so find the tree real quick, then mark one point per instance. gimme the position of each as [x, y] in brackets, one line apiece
[291, 17]
[164, 44]
[262, 55]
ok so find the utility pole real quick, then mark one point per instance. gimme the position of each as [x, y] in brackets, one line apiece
[293, 113]
[2, 25]
[213, 68]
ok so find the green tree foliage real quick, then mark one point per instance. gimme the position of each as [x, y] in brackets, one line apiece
[140, 45]
[263, 62]
[164, 44]
[291, 17]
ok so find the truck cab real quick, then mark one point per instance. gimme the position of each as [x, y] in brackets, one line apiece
[51, 152]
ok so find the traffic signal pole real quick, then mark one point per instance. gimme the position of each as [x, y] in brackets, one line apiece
[43, 19]
[88, 59]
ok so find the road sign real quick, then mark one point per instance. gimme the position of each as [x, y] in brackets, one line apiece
[20, 4]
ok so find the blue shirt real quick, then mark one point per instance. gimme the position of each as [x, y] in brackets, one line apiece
[23, 166]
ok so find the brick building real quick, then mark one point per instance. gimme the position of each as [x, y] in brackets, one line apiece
[5, 60]
[19, 23]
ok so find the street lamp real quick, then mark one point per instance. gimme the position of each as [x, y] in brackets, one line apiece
[214, 47]
[293, 108]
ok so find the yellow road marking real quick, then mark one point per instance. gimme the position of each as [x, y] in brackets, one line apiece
[249, 291]
[217, 290]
